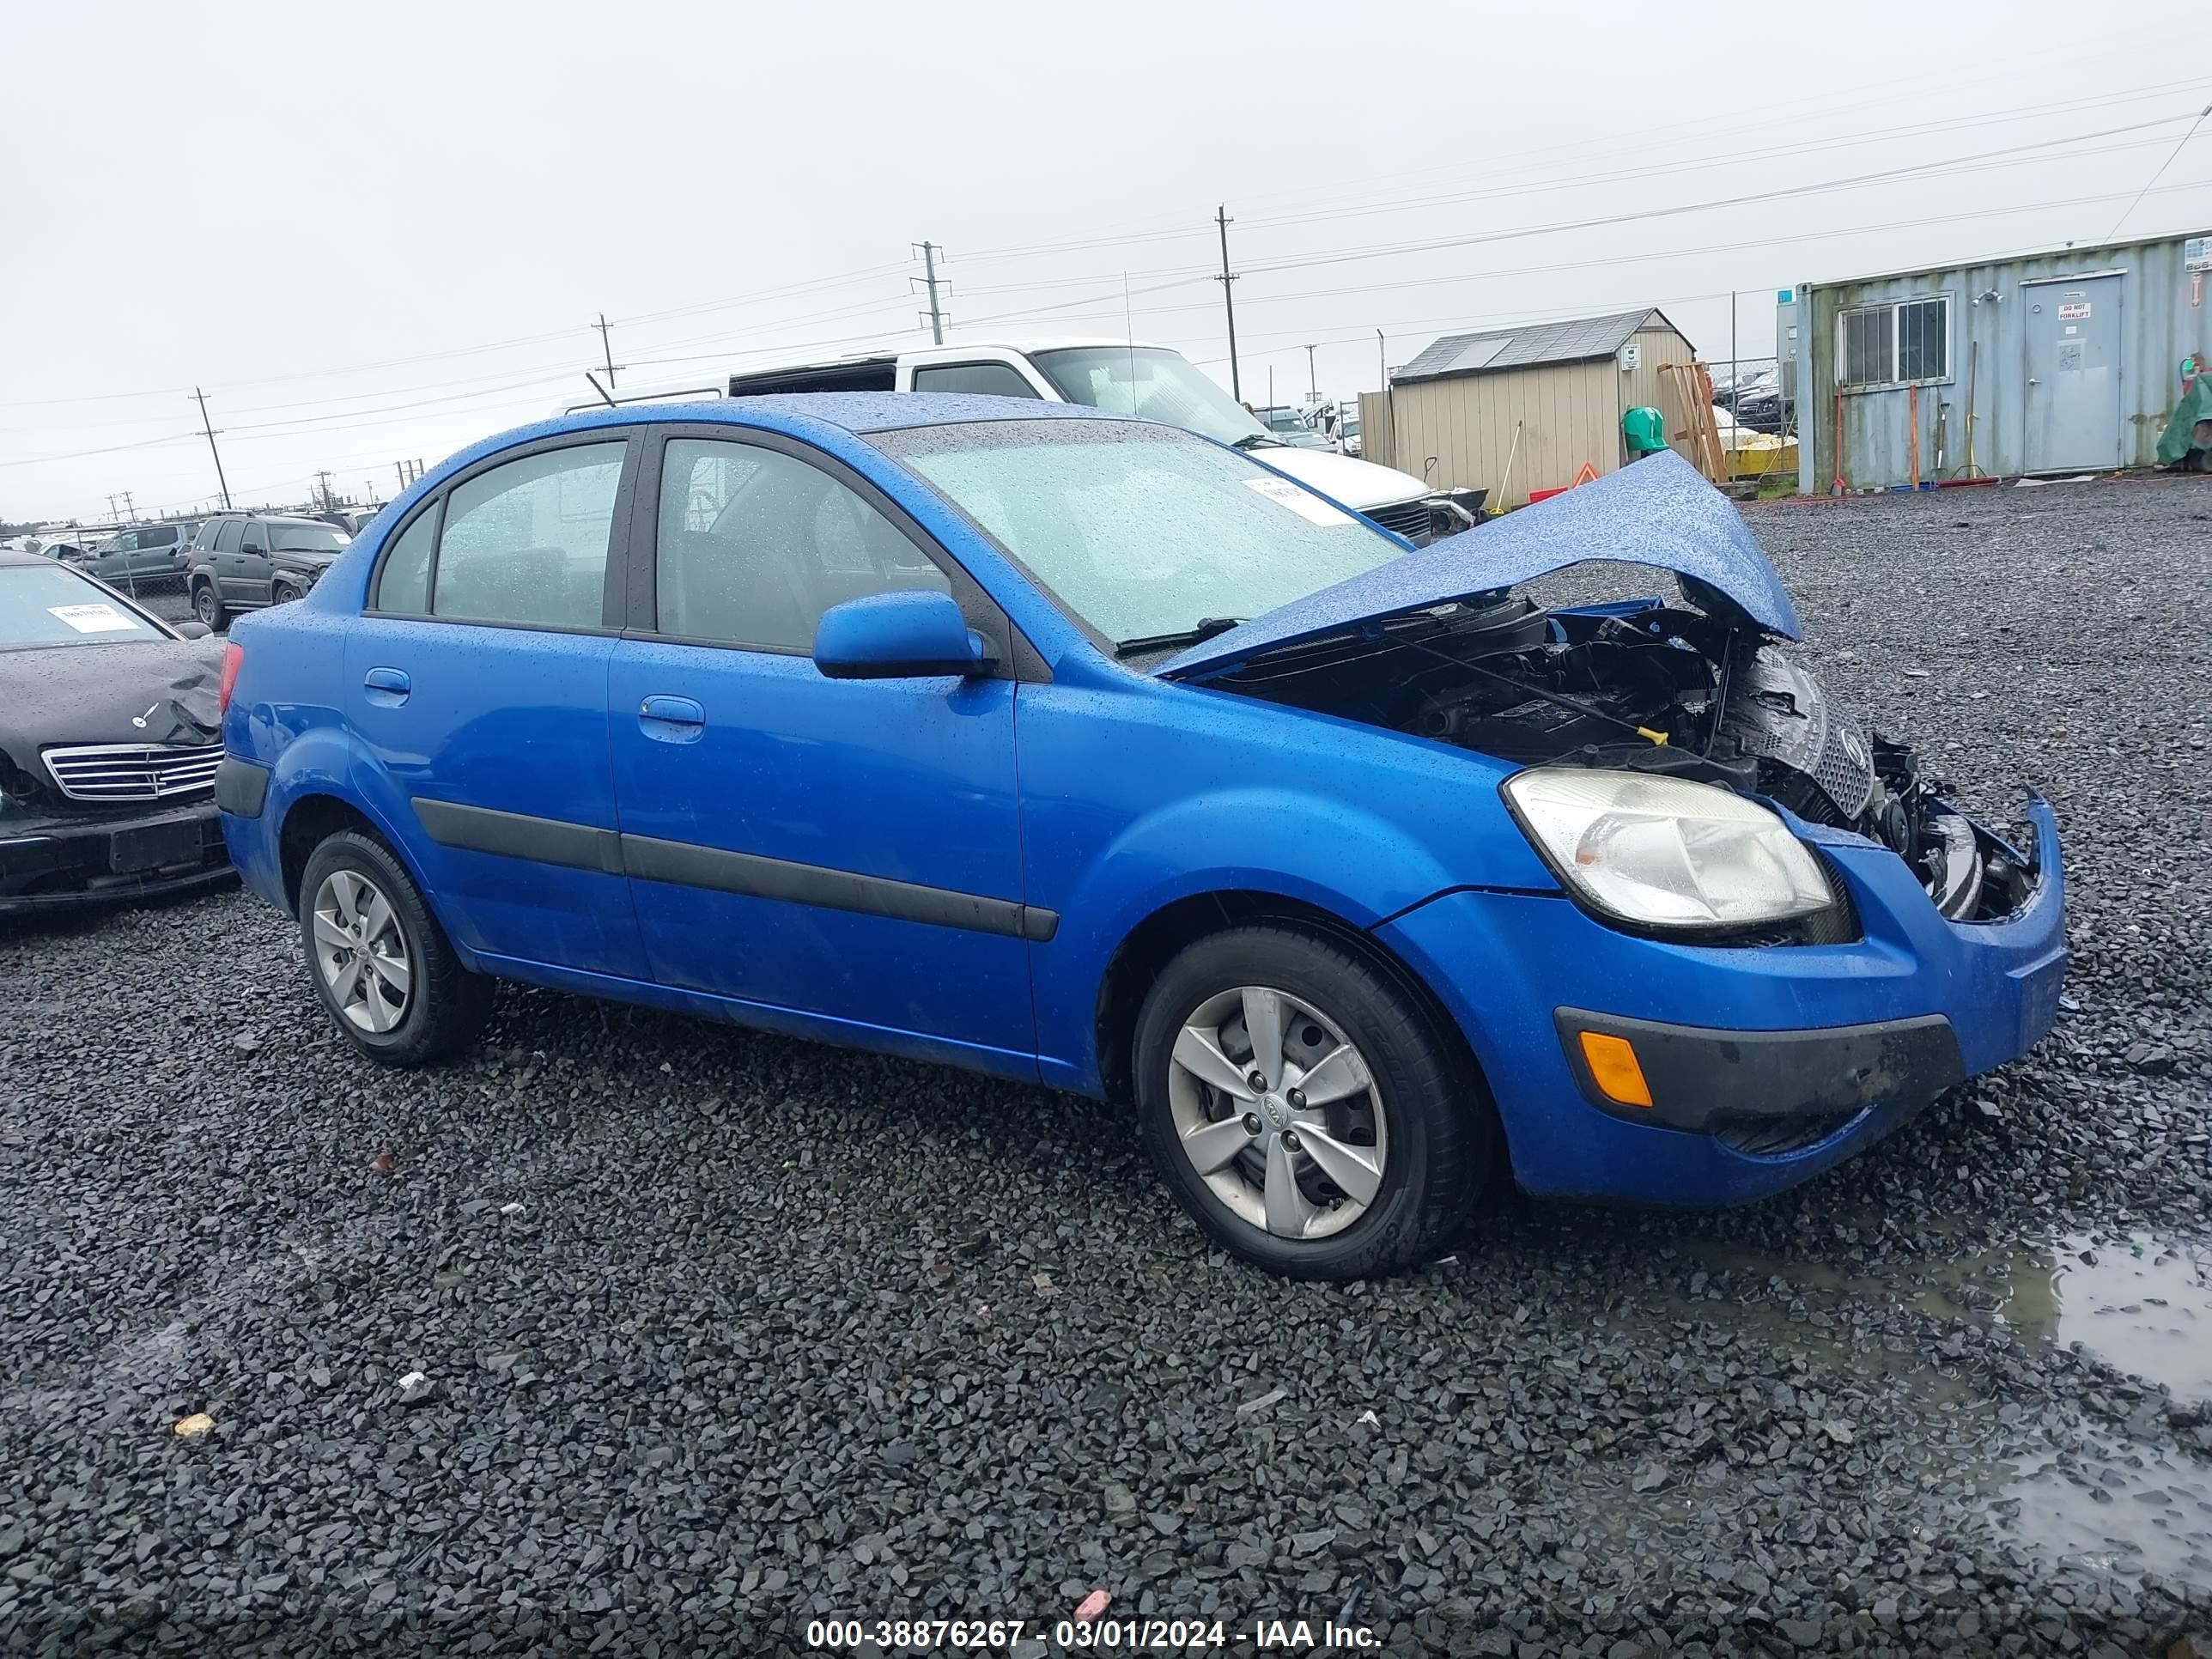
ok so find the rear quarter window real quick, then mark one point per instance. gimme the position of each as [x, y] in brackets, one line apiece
[403, 585]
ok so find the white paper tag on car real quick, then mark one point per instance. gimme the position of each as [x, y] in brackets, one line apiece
[1301, 502]
[93, 618]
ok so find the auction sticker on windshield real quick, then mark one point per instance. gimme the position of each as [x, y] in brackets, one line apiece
[1304, 502]
[93, 618]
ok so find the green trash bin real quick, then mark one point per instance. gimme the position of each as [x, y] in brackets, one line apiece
[1645, 429]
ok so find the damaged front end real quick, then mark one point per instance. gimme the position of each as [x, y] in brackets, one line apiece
[1646, 687]
[1441, 644]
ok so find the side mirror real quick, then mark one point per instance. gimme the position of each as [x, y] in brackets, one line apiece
[910, 634]
[194, 630]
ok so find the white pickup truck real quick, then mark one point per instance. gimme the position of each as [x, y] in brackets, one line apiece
[1121, 378]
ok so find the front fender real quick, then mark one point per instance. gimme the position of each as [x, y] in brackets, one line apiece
[1331, 854]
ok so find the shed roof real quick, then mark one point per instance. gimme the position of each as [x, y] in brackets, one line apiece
[1579, 339]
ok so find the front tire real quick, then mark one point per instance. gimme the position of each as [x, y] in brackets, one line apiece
[1306, 1108]
[283, 593]
[208, 606]
[382, 966]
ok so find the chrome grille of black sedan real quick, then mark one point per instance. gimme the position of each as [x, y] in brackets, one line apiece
[134, 771]
[1409, 519]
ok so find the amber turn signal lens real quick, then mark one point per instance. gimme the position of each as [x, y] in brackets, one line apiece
[1612, 1061]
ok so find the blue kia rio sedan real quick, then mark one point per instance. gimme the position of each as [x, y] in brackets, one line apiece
[1087, 751]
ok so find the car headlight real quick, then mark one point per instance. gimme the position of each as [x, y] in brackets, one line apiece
[1666, 853]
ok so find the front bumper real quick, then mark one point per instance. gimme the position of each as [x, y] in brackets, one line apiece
[1766, 1065]
[57, 862]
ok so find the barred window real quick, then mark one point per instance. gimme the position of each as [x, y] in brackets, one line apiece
[1889, 345]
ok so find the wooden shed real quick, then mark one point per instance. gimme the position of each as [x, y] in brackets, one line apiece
[1451, 414]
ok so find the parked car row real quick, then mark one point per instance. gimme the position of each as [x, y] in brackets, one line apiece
[228, 563]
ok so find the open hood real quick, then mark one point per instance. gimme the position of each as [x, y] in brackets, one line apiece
[1658, 512]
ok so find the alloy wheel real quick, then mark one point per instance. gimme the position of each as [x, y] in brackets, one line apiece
[1278, 1112]
[361, 952]
[203, 604]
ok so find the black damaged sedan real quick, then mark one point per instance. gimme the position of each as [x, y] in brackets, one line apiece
[108, 744]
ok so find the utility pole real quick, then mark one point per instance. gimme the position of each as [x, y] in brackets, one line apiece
[1228, 299]
[208, 427]
[1313, 396]
[607, 347]
[929, 250]
[1389, 403]
[323, 482]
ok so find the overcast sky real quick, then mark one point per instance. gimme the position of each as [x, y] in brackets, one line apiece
[378, 232]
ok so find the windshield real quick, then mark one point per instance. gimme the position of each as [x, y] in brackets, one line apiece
[1138, 531]
[306, 539]
[1145, 381]
[46, 605]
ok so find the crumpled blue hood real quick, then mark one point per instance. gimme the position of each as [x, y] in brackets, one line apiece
[1659, 512]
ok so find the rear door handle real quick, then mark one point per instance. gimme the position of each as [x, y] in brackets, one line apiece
[671, 720]
[385, 686]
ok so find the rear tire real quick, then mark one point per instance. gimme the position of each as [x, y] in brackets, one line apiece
[208, 607]
[381, 965]
[1373, 1174]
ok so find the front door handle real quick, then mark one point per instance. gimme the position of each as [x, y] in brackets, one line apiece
[387, 687]
[671, 720]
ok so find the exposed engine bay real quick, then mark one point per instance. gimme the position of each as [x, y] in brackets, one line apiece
[1650, 687]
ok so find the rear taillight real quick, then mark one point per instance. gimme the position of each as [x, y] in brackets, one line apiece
[233, 656]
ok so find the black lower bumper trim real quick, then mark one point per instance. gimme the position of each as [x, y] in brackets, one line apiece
[1707, 1080]
[62, 861]
[241, 787]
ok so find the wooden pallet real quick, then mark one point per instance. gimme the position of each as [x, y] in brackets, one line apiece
[1693, 390]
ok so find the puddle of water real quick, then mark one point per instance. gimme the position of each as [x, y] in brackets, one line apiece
[2112, 1503]
[2117, 1507]
[2142, 1305]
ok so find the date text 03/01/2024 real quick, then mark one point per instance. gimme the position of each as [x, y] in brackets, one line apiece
[1013, 1635]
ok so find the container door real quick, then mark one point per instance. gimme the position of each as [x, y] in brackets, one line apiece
[2073, 373]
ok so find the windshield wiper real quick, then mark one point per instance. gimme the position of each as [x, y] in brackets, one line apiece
[1258, 440]
[1203, 628]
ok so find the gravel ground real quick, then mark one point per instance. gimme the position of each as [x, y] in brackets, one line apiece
[722, 1332]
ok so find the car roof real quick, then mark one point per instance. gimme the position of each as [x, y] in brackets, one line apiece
[857, 412]
[268, 518]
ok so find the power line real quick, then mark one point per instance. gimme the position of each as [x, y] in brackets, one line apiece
[1733, 124]
[2163, 167]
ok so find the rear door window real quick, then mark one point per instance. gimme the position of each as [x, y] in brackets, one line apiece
[526, 543]
[229, 539]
